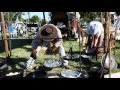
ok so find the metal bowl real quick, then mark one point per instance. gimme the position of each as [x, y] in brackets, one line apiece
[53, 76]
[70, 74]
[105, 62]
[52, 63]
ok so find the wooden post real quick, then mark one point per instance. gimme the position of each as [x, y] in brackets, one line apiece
[109, 44]
[4, 35]
[8, 19]
[106, 31]
[107, 39]
[101, 17]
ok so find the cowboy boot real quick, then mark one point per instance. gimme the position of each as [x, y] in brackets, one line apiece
[31, 60]
[29, 63]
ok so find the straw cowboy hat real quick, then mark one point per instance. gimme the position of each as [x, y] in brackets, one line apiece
[48, 32]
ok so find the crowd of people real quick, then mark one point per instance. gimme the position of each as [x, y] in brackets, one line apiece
[18, 30]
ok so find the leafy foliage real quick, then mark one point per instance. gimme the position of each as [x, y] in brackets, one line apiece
[118, 13]
[34, 19]
[89, 16]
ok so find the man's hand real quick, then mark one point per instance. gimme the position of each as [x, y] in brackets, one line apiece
[43, 49]
[100, 50]
[33, 54]
[53, 49]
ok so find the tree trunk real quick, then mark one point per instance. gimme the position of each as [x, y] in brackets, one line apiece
[4, 35]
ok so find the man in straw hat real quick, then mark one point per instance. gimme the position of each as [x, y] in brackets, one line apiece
[42, 42]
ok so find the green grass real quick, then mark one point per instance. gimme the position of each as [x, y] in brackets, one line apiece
[21, 51]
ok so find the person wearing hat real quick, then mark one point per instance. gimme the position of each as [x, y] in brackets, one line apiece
[49, 37]
[95, 31]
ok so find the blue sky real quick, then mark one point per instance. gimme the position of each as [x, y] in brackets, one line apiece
[40, 14]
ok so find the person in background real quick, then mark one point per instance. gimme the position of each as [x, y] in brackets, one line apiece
[95, 31]
[71, 17]
[11, 30]
[83, 37]
[21, 32]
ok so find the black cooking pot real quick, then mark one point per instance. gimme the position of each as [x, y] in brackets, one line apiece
[92, 51]
[36, 74]
[4, 67]
[73, 57]
[2, 62]
[86, 59]
[84, 74]
[96, 72]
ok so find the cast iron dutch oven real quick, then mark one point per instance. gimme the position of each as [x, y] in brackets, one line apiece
[86, 59]
[96, 72]
[2, 62]
[73, 57]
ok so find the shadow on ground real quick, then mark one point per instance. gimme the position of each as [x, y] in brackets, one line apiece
[16, 43]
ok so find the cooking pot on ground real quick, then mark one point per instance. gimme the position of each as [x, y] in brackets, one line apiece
[105, 61]
[86, 59]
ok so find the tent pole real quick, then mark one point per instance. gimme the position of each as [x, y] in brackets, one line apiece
[101, 17]
[109, 44]
[44, 17]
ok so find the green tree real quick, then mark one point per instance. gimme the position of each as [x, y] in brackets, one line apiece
[89, 16]
[118, 13]
[13, 15]
[34, 19]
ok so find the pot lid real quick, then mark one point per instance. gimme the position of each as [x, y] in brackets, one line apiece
[70, 74]
[52, 63]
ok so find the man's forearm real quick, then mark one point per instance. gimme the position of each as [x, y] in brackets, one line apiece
[33, 54]
[57, 44]
[96, 41]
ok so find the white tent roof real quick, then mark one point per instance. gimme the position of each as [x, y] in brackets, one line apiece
[112, 12]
